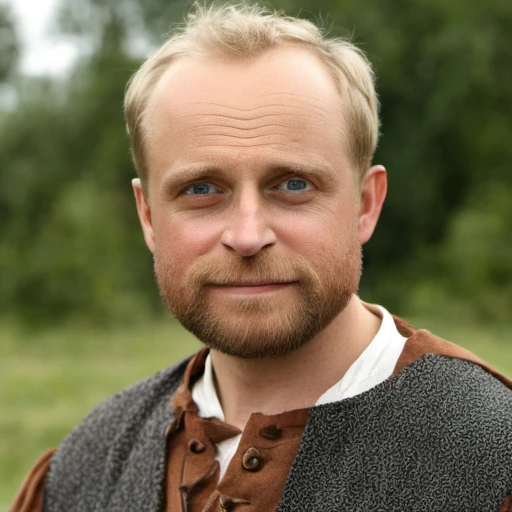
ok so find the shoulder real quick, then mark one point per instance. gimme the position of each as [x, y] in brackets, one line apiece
[457, 416]
[437, 434]
[465, 406]
[97, 449]
[131, 405]
[453, 381]
[421, 342]
[459, 392]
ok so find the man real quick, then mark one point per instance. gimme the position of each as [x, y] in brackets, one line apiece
[253, 138]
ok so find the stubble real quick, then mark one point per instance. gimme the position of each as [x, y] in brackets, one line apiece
[263, 325]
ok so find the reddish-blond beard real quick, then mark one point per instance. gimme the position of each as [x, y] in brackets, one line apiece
[255, 328]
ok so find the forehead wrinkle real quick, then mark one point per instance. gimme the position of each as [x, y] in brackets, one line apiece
[244, 146]
[267, 105]
[247, 137]
[279, 110]
[212, 141]
[222, 132]
[255, 125]
[314, 102]
[242, 128]
[198, 121]
[247, 133]
[221, 104]
[232, 118]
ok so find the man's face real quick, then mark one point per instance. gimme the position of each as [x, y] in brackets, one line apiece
[252, 209]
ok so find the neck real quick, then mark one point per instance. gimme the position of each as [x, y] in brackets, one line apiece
[296, 380]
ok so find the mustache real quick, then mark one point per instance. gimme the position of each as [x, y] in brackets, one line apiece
[261, 268]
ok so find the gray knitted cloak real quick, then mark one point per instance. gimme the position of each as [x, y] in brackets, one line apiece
[436, 437]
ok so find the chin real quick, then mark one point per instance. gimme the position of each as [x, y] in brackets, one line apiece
[259, 329]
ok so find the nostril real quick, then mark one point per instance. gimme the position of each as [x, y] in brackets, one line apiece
[248, 241]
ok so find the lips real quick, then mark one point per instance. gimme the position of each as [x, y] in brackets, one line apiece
[250, 284]
[252, 287]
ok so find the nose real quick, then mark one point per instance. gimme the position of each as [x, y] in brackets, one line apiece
[248, 231]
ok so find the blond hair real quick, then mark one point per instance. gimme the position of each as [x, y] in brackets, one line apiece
[248, 30]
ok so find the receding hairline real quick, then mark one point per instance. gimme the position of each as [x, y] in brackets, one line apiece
[223, 57]
[244, 32]
[234, 59]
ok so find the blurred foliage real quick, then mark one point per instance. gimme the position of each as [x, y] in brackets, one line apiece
[8, 43]
[70, 244]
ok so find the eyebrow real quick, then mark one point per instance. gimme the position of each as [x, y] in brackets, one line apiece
[176, 177]
[304, 169]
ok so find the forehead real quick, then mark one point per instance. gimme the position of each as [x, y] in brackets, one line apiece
[284, 102]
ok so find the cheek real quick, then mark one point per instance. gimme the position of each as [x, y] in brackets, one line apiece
[323, 232]
[181, 241]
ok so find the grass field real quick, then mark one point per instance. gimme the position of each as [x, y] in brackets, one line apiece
[49, 380]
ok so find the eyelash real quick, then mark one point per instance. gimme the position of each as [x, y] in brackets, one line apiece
[305, 189]
[187, 190]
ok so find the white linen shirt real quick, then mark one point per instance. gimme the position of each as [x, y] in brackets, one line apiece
[372, 367]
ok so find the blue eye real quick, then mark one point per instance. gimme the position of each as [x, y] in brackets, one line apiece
[296, 185]
[202, 189]
[293, 185]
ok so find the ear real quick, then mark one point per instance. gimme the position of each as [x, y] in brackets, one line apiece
[144, 212]
[373, 193]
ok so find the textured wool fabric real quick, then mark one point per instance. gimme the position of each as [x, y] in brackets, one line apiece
[437, 438]
[114, 461]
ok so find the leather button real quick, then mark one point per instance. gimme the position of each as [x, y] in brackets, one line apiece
[252, 459]
[196, 446]
[228, 503]
[271, 432]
